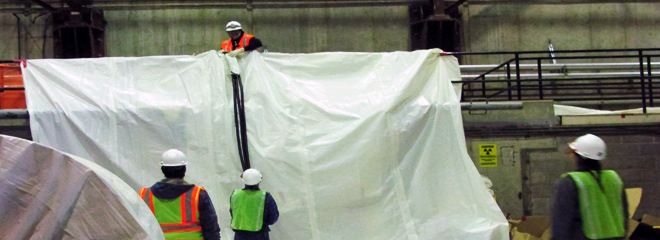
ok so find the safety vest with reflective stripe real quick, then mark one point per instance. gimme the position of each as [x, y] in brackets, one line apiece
[178, 218]
[247, 207]
[228, 46]
[600, 205]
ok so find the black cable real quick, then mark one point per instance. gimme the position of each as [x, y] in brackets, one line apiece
[239, 121]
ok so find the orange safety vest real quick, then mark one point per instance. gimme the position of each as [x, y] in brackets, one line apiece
[178, 218]
[227, 45]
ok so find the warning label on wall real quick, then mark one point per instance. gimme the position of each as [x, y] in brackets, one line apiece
[487, 155]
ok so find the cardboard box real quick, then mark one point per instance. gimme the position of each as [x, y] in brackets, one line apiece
[648, 229]
[531, 228]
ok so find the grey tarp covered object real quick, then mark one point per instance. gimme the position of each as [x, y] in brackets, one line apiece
[47, 194]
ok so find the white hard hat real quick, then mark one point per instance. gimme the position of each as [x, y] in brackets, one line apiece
[251, 177]
[589, 146]
[173, 158]
[233, 26]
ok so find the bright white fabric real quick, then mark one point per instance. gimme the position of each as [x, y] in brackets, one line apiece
[563, 110]
[350, 145]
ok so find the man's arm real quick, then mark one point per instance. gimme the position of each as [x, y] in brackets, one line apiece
[564, 209]
[272, 213]
[207, 217]
[253, 44]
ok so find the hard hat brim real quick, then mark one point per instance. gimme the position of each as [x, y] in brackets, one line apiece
[174, 165]
[234, 29]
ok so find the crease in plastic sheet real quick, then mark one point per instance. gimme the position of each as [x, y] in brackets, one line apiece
[47, 194]
[350, 145]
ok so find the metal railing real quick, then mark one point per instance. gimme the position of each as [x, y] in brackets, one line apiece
[606, 76]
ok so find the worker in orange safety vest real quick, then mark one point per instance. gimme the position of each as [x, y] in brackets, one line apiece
[183, 210]
[238, 41]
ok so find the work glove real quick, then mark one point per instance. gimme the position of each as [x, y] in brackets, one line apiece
[236, 52]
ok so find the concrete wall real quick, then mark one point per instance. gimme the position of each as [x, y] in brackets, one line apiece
[531, 155]
[502, 27]
[575, 26]
[173, 32]
[634, 157]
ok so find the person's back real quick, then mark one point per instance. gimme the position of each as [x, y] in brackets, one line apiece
[590, 203]
[183, 210]
[252, 209]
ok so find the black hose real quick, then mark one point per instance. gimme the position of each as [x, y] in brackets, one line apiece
[239, 121]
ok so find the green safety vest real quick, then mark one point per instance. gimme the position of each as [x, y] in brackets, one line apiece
[178, 218]
[247, 207]
[601, 209]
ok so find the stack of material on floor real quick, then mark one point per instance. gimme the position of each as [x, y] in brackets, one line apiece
[47, 194]
[649, 226]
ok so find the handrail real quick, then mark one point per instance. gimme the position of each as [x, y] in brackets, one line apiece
[556, 51]
[565, 81]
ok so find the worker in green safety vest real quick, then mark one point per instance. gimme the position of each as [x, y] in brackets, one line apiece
[590, 203]
[183, 210]
[252, 210]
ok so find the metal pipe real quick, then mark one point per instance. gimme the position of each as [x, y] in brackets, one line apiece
[483, 86]
[572, 66]
[508, 79]
[491, 106]
[494, 69]
[45, 5]
[555, 2]
[18, 26]
[517, 56]
[559, 51]
[650, 76]
[540, 75]
[533, 75]
[643, 80]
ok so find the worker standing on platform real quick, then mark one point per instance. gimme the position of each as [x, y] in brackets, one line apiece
[252, 210]
[238, 41]
[183, 210]
[590, 203]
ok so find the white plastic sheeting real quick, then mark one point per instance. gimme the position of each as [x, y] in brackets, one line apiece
[351, 145]
[46, 194]
[563, 110]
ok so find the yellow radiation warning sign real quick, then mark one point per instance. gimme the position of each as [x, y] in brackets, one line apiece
[487, 155]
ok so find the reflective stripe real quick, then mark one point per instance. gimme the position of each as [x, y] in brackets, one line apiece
[180, 227]
[244, 40]
[148, 198]
[197, 229]
[188, 204]
[184, 208]
[195, 202]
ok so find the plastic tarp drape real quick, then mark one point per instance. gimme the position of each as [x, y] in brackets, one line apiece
[47, 194]
[563, 110]
[350, 145]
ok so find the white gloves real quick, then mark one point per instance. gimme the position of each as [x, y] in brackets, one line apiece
[236, 52]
